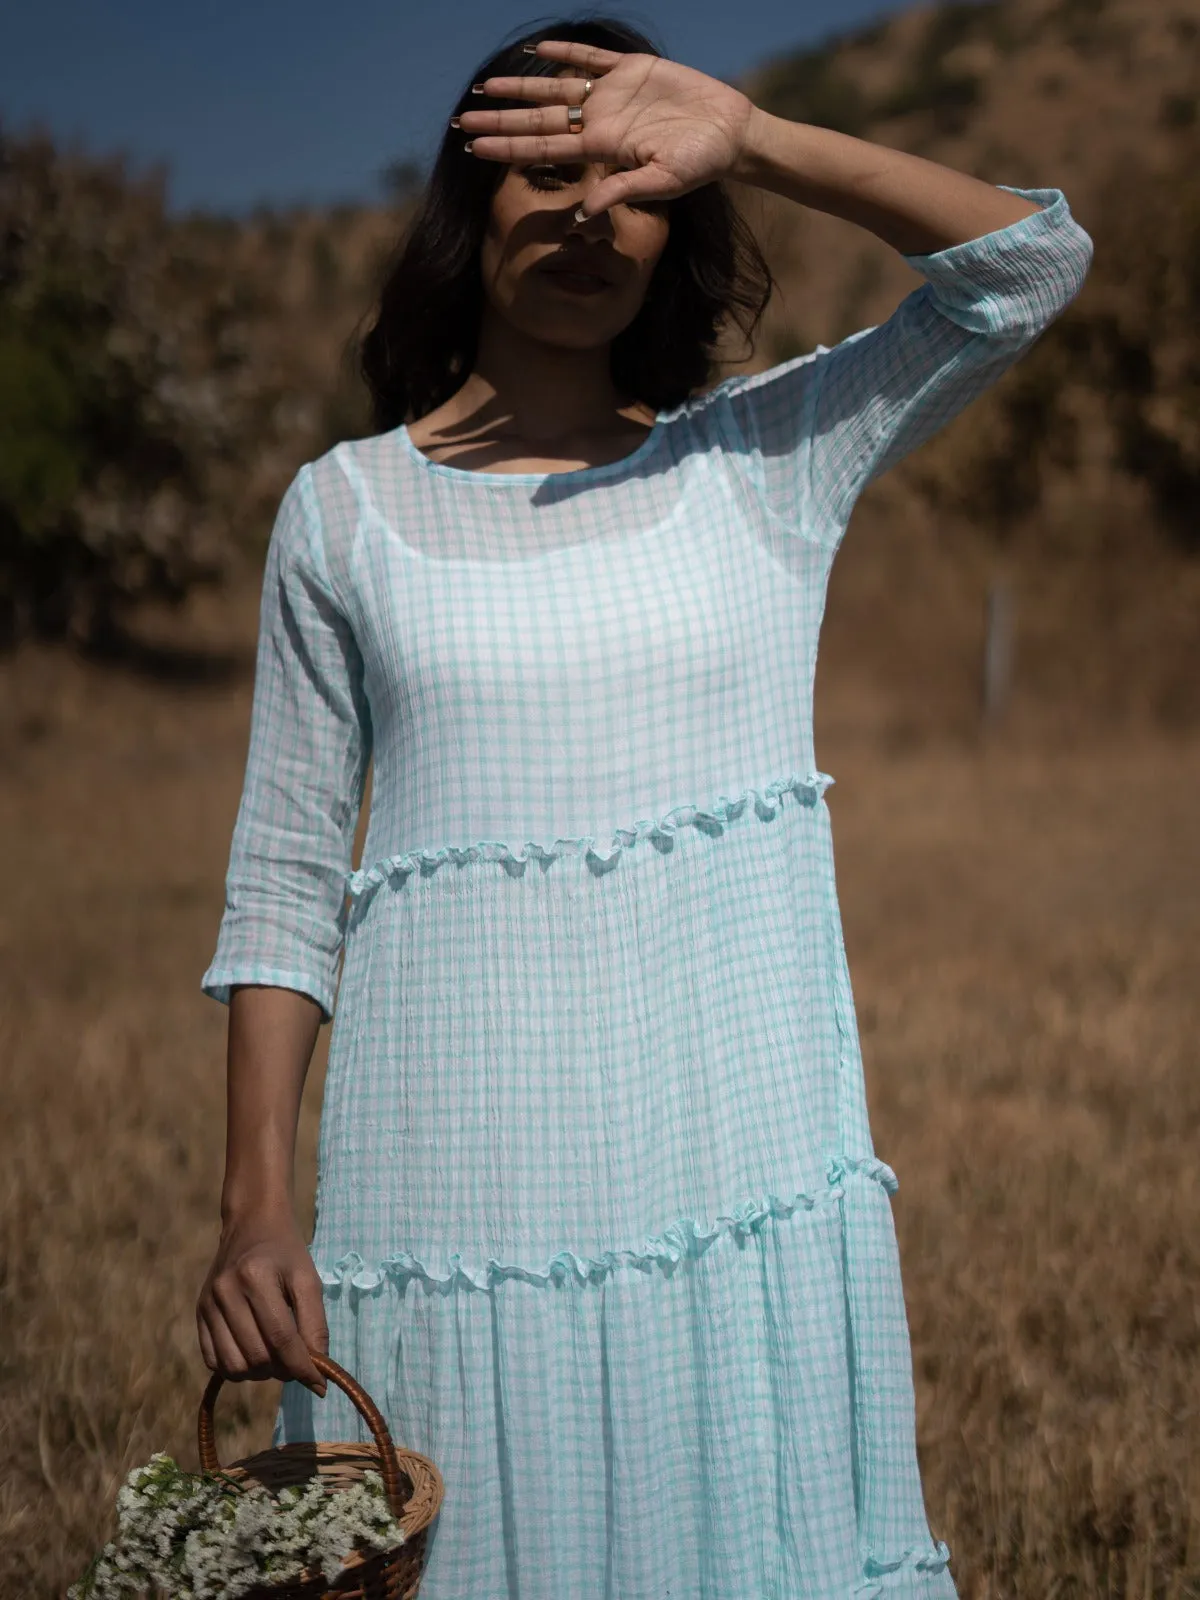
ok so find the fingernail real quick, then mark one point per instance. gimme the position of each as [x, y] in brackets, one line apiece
[580, 215]
[455, 122]
[529, 49]
[469, 146]
[477, 88]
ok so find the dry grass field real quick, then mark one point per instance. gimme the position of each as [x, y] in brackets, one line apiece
[1023, 918]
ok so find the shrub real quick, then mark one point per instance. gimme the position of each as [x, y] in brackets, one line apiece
[147, 424]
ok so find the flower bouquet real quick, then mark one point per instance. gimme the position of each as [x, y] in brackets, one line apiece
[299, 1522]
[196, 1537]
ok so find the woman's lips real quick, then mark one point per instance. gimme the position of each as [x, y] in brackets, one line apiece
[576, 282]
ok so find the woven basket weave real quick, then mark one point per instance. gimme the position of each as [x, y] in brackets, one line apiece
[412, 1483]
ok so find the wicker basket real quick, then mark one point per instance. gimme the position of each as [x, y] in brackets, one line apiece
[412, 1482]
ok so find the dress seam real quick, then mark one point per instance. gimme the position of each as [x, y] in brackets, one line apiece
[684, 1238]
[661, 831]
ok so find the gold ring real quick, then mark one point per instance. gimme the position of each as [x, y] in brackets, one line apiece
[574, 119]
[587, 87]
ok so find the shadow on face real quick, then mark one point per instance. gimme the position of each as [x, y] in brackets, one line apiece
[572, 284]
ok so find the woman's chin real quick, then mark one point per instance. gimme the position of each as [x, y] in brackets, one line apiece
[573, 324]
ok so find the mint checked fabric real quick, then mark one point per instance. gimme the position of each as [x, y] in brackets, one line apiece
[599, 1217]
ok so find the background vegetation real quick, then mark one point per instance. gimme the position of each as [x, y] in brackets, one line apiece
[161, 377]
[160, 380]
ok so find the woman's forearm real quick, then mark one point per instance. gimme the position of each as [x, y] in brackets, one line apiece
[916, 206]
[272, 1033]
[261, 1312]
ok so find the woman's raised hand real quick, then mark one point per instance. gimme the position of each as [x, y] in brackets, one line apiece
[668, 127]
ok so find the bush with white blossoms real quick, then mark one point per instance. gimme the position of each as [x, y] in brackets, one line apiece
[195, 1537]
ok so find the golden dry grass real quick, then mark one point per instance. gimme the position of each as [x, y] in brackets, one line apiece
[1023, 924]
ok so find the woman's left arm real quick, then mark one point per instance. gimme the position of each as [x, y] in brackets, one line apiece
[819, 428]
[999, 264]
[918, 207]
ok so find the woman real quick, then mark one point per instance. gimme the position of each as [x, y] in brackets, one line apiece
[599, 1220]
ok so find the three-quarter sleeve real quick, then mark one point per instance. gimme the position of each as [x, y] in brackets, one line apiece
[818, 429]
[310, 743]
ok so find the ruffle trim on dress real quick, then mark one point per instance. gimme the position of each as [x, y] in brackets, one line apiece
[600, 858]
[684, 1238]
[881, 1577]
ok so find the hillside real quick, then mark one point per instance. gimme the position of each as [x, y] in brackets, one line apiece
[1078, 479]
[1036, 85]
[1080, 94]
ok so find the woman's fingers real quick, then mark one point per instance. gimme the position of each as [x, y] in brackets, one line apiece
[252, 1328]
[289, 1355]
[251, 1350]
[544, 119]
[554, 148]
[588, 56]
[207, 1354]
[308, 1305]
[563, 91]
[227, 1357]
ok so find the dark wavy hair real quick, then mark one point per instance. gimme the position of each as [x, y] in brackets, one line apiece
[421, 343]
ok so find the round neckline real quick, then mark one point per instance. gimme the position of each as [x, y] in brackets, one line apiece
[574, 474]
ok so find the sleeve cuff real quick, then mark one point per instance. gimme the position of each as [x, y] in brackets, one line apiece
[1016, 278]
[217, 983]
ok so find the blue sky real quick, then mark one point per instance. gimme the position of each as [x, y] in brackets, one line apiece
[250, 101]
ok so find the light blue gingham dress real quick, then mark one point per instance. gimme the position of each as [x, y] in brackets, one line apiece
[599, 1217]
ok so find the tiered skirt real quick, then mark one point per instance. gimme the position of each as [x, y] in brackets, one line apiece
[600, 1223]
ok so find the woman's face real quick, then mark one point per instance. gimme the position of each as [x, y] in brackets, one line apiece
[565, 283]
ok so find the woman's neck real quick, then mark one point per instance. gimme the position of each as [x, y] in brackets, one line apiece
[538, 395]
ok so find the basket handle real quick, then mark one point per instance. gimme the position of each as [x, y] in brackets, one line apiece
[389, 1467]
